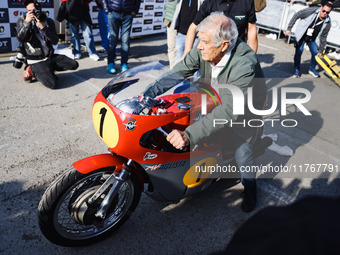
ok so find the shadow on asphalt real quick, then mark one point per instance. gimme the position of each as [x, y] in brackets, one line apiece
[199, 221]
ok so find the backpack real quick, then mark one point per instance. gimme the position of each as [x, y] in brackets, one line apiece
[260, 5]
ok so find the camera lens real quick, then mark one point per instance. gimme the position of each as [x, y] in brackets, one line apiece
[17, 64]
[36, 13]
[40, 15]
[19, 60]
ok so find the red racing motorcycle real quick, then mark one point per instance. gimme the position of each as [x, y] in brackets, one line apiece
[91, 200]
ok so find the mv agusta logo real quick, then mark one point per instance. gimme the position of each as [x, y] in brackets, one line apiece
[130, 124]
[170, 165]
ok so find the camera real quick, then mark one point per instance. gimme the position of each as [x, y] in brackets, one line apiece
[40, 15]
[20, 58]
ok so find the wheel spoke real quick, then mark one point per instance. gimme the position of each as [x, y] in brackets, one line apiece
[70, 228]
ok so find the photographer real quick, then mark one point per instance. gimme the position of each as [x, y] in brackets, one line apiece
[37, 34]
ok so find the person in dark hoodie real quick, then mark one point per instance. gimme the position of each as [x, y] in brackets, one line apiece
[37, 34]
[120, 14]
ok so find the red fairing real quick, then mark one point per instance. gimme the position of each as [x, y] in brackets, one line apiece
[95, 162]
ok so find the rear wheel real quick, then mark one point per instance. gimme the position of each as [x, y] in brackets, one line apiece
[65, 216]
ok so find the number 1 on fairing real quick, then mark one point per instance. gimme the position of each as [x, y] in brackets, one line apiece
[103, 113]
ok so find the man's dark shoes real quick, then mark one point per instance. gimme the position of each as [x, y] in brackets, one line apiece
[249, 199]
[297, 74]
[314, 73]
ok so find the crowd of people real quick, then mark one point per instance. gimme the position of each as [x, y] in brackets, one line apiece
[181, 17]
[216, 37]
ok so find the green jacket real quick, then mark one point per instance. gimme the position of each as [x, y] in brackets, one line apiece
[170, 7]
[242, 70]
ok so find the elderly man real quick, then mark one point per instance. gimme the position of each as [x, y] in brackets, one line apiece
[223, 59]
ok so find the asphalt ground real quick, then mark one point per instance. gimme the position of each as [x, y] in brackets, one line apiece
[43, 131]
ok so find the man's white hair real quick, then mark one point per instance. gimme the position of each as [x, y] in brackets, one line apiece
[224, 28]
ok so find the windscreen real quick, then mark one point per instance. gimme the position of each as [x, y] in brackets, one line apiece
[133, 82]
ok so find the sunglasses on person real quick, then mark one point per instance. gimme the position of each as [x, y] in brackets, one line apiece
[325, 12]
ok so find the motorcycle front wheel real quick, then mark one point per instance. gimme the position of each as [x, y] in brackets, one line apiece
[67, 219]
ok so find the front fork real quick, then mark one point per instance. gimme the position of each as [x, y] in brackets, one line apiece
[116, 183]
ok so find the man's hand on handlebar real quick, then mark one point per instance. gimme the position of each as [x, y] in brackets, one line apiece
[178, 139]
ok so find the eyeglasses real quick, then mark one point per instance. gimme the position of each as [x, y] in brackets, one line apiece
[325, 12]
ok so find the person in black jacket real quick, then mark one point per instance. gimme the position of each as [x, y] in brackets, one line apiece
[242, 12]
[120, 15]
[37, 34]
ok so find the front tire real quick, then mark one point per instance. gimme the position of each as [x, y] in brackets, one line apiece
[65, 217]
